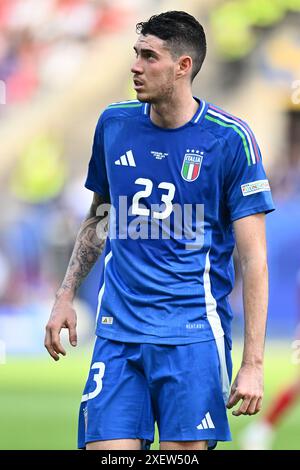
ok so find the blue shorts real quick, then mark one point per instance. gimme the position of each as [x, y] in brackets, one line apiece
[132, 385]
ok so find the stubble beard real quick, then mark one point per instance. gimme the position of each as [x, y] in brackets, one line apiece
[164, 94]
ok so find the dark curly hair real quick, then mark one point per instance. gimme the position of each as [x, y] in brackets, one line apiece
[182, 33]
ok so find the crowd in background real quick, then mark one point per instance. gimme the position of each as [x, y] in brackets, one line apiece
[38, 229]
[39, 38]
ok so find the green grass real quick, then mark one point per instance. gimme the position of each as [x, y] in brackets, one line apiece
[39, 400]
[279, 371]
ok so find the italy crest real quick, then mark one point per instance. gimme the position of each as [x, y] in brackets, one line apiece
[191, 165]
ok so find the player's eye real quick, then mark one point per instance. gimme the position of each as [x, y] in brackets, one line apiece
[149, 55]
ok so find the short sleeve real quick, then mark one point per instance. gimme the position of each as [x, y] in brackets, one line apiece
[247, 188]
[97, 176]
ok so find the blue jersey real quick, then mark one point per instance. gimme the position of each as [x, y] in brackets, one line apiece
[174, 195]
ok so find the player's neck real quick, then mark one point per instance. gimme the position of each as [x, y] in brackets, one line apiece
[174, 112]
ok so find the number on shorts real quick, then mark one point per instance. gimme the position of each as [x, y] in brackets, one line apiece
[98, 379]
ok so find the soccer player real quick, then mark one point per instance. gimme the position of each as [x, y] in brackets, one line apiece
[185, 180]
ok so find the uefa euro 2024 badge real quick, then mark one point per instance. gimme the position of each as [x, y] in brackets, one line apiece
[191, 165]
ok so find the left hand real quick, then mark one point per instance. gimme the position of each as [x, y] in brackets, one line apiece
[248, 387]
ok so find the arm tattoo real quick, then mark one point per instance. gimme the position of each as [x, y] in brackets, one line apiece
[87, 249]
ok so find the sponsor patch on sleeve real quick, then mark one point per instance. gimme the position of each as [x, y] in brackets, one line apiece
[255, 187]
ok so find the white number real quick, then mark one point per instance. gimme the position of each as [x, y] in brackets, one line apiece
[136, 210]
[98, 379]
[166, 198]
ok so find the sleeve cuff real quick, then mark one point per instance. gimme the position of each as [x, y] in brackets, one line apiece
[251, 211]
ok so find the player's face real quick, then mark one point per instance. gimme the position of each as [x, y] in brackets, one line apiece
[153, 70]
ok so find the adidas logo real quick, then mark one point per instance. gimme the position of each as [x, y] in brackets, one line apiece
[126, 160]
[206, 423]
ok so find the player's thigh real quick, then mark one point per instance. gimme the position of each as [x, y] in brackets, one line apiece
[115, 444]
[183, 445]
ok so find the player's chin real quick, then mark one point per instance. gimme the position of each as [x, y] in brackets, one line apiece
[142, 96]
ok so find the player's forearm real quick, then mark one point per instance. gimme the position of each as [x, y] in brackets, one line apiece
[89, 245]
[255, 299]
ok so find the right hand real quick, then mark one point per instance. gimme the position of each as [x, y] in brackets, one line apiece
[63, 315]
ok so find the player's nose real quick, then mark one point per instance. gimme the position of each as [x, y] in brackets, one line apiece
[137, 66]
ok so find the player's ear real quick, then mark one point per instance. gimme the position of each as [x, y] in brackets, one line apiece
[185, 64]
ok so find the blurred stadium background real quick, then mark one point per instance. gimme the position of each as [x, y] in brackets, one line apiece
[61, 63]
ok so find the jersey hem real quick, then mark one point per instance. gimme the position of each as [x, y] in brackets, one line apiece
[117, 336]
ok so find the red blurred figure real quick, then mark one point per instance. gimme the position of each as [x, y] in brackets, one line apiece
[260, 435]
